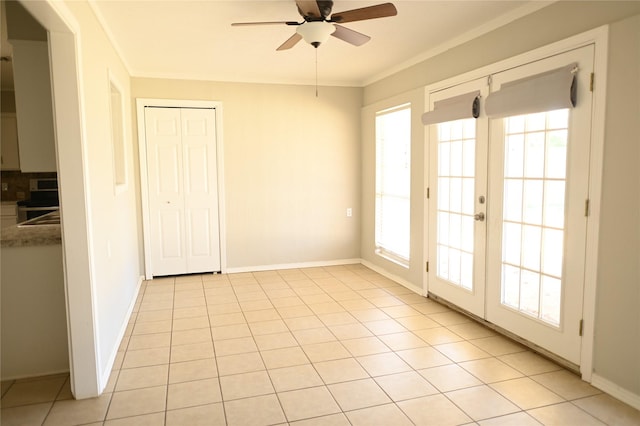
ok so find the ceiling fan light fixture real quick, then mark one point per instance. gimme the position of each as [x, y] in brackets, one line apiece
[315, 32]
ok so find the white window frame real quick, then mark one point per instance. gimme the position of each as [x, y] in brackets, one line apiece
[118, 139]
[599, 38]
[381, 247]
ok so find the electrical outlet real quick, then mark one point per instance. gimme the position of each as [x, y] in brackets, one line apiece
[349, 212]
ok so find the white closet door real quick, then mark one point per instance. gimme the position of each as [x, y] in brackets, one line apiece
[200, 190]
[183, 197]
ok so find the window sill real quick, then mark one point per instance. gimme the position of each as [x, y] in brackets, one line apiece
[393, 258]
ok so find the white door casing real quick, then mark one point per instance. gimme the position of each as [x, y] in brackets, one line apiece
[182, 226]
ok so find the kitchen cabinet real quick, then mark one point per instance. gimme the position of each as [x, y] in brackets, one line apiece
[34, 112]
[9, 142]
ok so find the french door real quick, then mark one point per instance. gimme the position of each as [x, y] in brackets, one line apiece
[458, 165]
[183, 190]
[526, 222]
[539, 183]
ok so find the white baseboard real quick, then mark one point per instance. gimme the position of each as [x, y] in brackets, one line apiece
[39, 374]
[314, 264]
[393, 277]
[106, 374]
[616, 391]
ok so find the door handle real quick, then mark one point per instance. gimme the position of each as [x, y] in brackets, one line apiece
[479, 217]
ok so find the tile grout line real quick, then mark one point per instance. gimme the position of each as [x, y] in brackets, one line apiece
[173, 310]
[215, 357]
[142, 296]
[347, 275]
[276, 393]
[326, 385]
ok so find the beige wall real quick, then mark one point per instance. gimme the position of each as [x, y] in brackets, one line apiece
[291, 168]
[555, 22]
[617, 320]
[617, 355]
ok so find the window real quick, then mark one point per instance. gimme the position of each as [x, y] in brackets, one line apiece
[117, 135]
[455, 205]
[535, 172]
[393, 183]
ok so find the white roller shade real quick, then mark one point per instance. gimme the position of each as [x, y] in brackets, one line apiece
[456, 108]
[542, 92]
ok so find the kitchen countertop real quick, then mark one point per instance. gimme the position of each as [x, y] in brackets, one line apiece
[29, 236]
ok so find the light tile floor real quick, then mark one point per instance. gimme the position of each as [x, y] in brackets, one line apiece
[319, 346]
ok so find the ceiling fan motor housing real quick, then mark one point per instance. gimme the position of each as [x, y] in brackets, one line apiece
[324, 7]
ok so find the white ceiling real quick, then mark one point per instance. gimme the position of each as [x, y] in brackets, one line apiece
[194, 39]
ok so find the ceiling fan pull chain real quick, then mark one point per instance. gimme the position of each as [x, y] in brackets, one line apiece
[316, 72]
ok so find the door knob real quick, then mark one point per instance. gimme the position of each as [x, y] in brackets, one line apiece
[479, 217]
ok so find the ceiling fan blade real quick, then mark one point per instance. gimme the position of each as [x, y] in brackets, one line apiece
[309, 8]
[292, 41]
[350, 36]
[246, 24]
[370, 12]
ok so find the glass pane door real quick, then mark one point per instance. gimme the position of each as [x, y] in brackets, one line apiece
[455, 203]
[533, 219]
[458, 164]
[539, 183]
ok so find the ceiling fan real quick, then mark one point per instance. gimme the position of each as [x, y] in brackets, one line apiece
[319, 23]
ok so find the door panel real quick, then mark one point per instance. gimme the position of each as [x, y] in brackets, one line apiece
[458, 156]
[196, 172]
[164, 161]
[201, 190]
[539, 171]
[198, 228]
[171, 235]
[168, 161]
